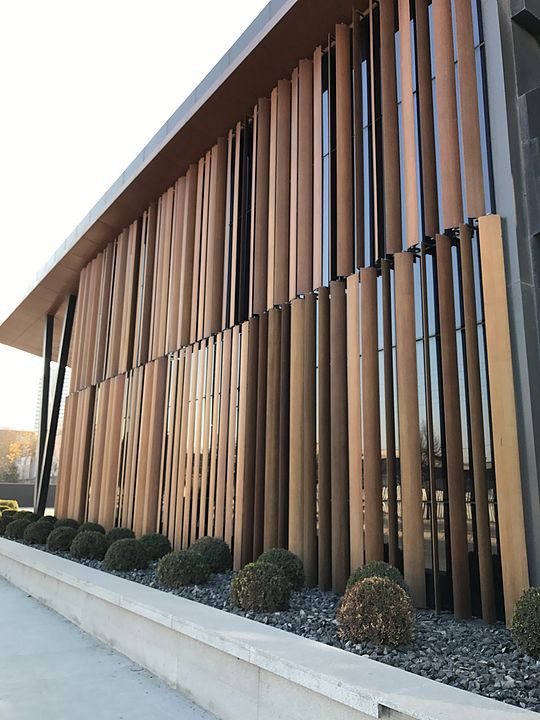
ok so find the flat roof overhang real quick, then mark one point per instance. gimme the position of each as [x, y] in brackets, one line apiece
[284, 32]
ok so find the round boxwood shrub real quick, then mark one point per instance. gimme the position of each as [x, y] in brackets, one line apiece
[89, 545]
[182, 567]
[215, 551]
[67, 522]
[61, 538]
[16, 528]
[50, 519]
[120, 533]
[37, 532]
[526, 622]
[93, 527]
[8, 516]
[261, 586]
[290, 563]
[126, 554]
[155, 545]
[379, 610]
[377, 568]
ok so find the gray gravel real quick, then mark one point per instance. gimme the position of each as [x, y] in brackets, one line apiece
[466, 654]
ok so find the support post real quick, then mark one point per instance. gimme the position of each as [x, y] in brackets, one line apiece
[44, 477]
[44, 411]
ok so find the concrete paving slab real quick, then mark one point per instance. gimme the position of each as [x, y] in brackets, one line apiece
[50, 669]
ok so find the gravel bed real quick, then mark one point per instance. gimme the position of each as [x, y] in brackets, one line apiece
[466, 654]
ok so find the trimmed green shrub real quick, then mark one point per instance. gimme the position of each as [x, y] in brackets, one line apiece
[182, 567]
[261, 586]
[61, 538]
[93, 527]
[37, 532]
[379, 610]
[215, 551]
[8, 516]
[155, 545]
[49, 518]
[126, 554]
[290, 563]
[28, 515]
[67, 522]
[526, 622]
[89, 545]
[377, 568]
[16, 528]
[120, 533]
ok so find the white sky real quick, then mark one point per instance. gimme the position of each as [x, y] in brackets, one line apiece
[83, 87]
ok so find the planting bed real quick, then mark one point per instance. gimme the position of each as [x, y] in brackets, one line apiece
[466, 654]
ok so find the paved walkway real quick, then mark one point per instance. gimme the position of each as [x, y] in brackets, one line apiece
[52, 670]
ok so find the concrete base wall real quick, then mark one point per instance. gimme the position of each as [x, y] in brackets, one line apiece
[235, 668]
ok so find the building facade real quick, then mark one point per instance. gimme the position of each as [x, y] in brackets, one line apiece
[308, 314]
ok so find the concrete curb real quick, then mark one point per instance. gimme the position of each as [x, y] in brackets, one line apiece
[233, 667]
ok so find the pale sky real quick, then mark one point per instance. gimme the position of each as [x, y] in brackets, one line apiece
[84, 86]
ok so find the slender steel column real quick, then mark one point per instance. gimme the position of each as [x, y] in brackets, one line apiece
[44, 477]
[44, 412]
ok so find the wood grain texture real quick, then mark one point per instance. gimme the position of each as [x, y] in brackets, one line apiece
[452, 430]
[409, 430]
[232, 439]
[271, 475]
[260, 211]
[309, 440]
[305, 237]
[447, 126]
[412, 229]
[261, 437]
[477, 430]
[344, 152]
[390, 129]
[324, 486]
[503, 414]
[296, 458]
[317, 169]
[339, 437]
[354, 410]
[283, 172]
[292, 263]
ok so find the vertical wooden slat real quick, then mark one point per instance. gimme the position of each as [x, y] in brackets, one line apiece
[293, 228]
[236, 200]
[283, 170]
[203, 277]
[358, 103]
[98, 450]
[208, 409]
[271, 475]
[215, 436]
[115, 328]
[324, 464]
[146, 299]
[216, 238]
[305, 237]
[111, 465]
[133, 447]
[190, 442]
[317, 168]
[177, 251]
[195, 276]
[284, 429]
[130, 298]
[468, 103]
[344, 152]
[232, 445]
[425, 116]
[142, 449]
[503, 414]
[412, 231]
[195, 486]
[390, 129]
[409, 430]
[221, 479]
[483, 535]
[181, 471]
[371, 416]
[247, 419]
[452, 430]
[354, 408]
[373, 51]
[227, 260]
[65, 476]
[170, 434]
[103, 313]
[447, 127]
[185, 279]
[296, 456]
[260, 209]
[339, 438]
[309, 442]
[260, 439]
[272, 173]
[389, 414]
